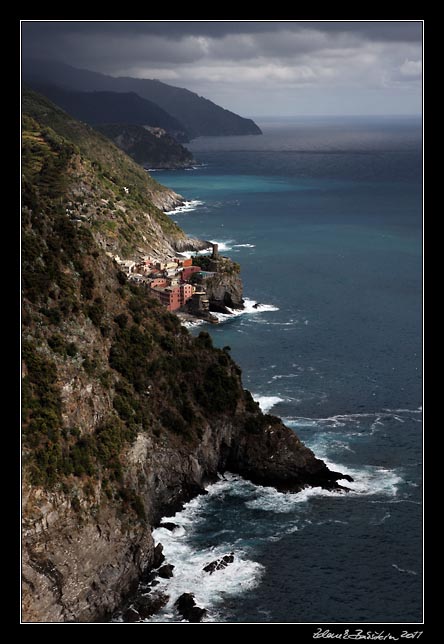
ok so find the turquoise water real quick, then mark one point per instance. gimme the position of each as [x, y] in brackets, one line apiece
[325, 219]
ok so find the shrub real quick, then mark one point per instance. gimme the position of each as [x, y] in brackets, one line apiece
[204, 340]
[121, 278]
[87, 284]
[171, 420]
[52, 314]
[96, 311]
[57, 343]
[89, 365]
[121, 320]
[221, 390]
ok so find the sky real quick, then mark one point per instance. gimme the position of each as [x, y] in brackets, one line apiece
[254, 68]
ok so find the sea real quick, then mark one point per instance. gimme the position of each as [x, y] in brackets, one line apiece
[324, 216]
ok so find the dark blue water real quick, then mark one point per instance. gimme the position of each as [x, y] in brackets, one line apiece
[325, 218]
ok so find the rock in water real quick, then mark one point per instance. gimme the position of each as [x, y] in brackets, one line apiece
[158, 557]
[219, 564]
[169, 526]
[186, 606]
[166, 571]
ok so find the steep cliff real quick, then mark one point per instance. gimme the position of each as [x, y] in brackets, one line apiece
[225, 290]
[223, 285]
[150, 147]
[125, 415]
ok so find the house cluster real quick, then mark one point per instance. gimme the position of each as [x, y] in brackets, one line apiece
[168, 280]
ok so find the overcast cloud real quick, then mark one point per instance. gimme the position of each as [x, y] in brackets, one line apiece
[253, 68]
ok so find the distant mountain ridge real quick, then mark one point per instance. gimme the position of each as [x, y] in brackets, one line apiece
[100, 107]
[200, 116]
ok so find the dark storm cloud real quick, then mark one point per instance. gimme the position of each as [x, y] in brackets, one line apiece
[110, 46]
[248, 65]
[373, 30]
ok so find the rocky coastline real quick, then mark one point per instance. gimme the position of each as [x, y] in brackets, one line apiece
[126, 416]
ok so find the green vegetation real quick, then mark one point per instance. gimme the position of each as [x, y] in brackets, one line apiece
[51, 138]
[225, 265]
[203, 261]
[88, 330]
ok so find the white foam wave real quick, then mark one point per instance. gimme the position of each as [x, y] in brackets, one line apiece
[267, 402]
[270, 500]
[342, 420]
[405, 411]
[244, 245]
[380, 521]
[251, 307]
[288, 375]
[368, 480]
[199, 166]
[268, 323]
[187, 206]
[223, 246]
[406, 570]
[239, 576]
[190, 324]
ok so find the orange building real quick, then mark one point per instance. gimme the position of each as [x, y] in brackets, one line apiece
[188, 271]
[174, 297]
[183, 261]
[186, 291]
[159, 282]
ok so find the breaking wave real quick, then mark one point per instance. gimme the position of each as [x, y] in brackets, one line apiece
[187, 206]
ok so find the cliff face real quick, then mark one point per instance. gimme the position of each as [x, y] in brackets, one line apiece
[150, 147]
[125, 415]
[225, 290]
[79, 564]
[224, 287]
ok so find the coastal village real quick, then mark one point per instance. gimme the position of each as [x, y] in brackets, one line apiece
[177, 283]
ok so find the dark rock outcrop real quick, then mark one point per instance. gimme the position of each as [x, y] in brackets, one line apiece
[189, 243]
[131, 615]
[268, 453]
[166, 571]
[186, 606]
[217, 307]
[224, 289]
[158, 556]
[219, 564]
[168, 525]
[148, 605]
